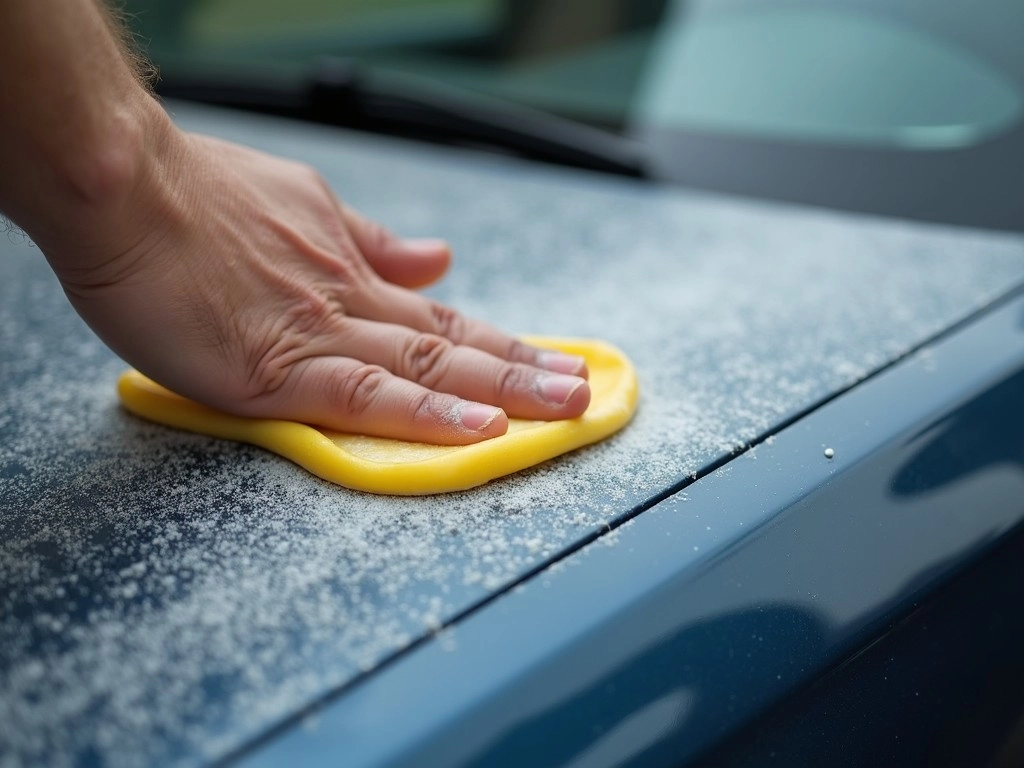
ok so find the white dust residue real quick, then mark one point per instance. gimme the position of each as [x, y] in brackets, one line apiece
[166, 597]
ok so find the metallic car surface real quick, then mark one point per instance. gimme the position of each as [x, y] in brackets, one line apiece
[731, 595]
[168, 598]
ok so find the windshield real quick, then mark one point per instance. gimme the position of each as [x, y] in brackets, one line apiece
[863, 80]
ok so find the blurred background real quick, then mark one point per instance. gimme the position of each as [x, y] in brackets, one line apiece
[912, 109]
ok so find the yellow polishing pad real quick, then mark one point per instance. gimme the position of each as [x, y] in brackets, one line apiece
[381, 465]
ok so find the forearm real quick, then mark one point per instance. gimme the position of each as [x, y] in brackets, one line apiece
[78, 126]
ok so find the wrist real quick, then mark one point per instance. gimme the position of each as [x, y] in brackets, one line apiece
[106, 198]
[114, 158]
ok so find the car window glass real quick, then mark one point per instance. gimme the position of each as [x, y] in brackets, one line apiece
[825, 74]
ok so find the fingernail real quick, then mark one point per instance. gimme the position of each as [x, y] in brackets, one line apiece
[560, 363]
[478, 417]
[558, 388]
[427, 246]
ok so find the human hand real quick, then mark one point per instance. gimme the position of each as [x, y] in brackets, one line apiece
[239, 280]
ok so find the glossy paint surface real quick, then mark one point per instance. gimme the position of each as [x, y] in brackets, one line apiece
[166, 598]
[941, 688]
[718, 603]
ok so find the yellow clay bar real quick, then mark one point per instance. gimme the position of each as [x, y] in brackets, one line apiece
[383, 465]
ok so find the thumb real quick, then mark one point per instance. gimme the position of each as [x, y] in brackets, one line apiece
[412, 263]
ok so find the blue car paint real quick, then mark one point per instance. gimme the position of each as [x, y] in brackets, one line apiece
[713, 607]
[129, 626]
[941, 688]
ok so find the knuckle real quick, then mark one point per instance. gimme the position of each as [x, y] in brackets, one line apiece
[447, 322]
[311, 313]
[426, 359]
[429, 407]
[283, 340]
[302, 321]
[519, 352]
[356, 392]
[513, 379]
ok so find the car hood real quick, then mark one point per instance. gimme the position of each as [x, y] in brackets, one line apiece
[171, 596]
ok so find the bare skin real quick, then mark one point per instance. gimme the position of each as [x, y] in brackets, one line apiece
[236, 278]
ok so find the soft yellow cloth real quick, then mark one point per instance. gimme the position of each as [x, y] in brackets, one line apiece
[381, 465]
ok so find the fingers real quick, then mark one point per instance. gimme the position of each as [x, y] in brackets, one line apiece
[416, 263]
[453, 364]
[522, 390]
[350, 396]
[408, 263]
[391, 304]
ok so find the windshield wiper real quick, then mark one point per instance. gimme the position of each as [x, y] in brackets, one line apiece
[340, 93]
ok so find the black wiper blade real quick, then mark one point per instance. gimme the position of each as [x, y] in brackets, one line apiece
[340, 93]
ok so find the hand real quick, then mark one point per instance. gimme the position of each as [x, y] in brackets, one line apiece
[239, 280]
